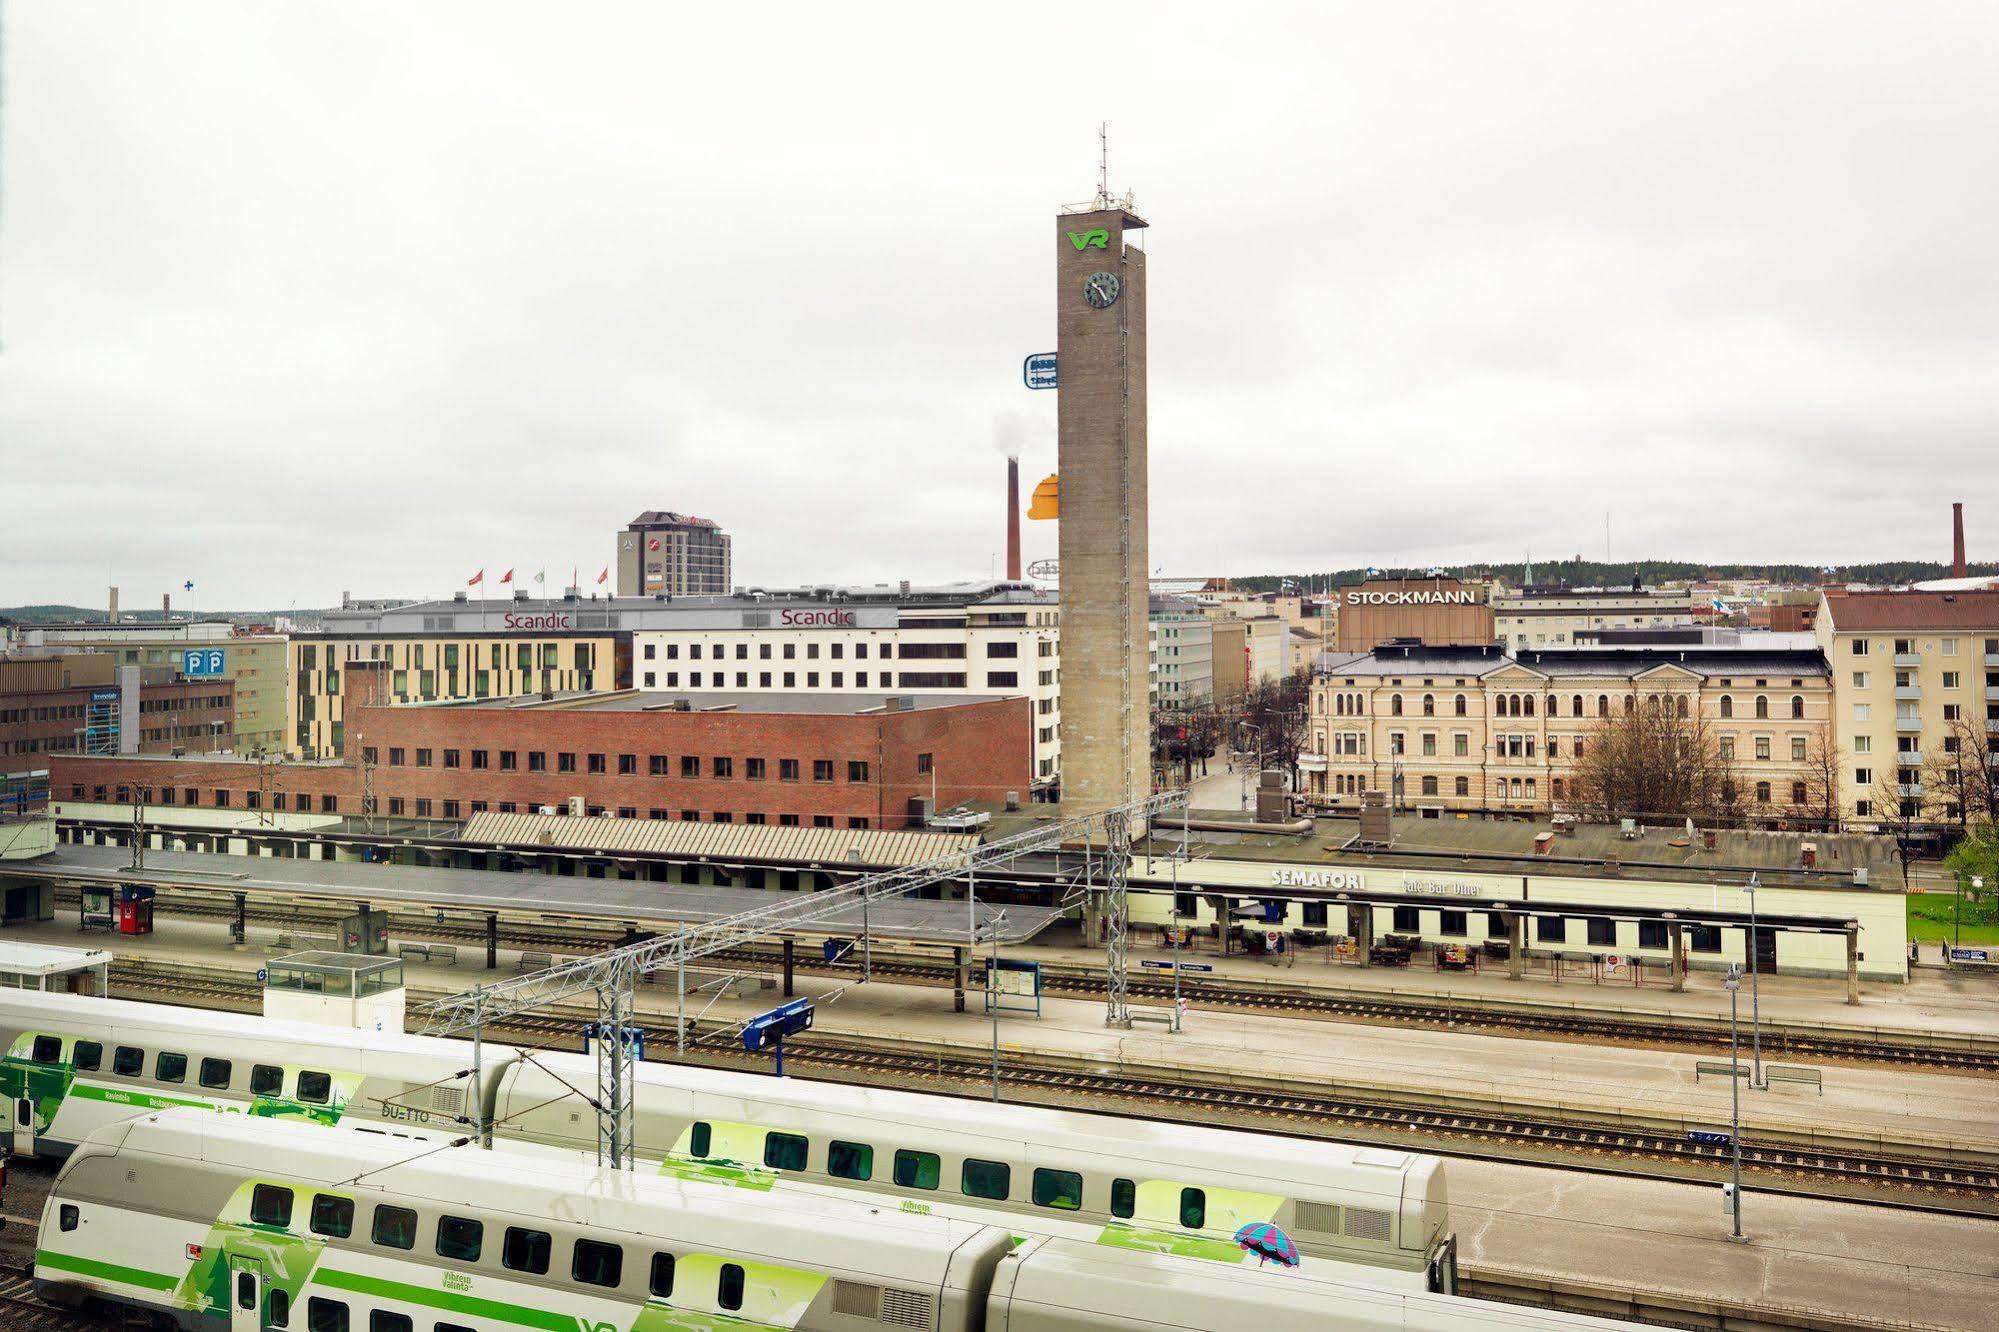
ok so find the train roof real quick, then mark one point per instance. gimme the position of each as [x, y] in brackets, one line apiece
[34, 1008]
[820, 1231]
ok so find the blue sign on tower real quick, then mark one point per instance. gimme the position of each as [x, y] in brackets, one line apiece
[1038, 371]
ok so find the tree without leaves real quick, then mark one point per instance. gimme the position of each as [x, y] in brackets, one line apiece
[1824, 763]
[1653, 762]
[1279, 709]
[1962, 770]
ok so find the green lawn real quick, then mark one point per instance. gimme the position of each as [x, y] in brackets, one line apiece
[1930, 914]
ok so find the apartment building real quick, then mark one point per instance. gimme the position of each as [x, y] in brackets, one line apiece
[1918, 681]
[1182, 643]
[1542, 617]
[1472, 728]
[256, 664]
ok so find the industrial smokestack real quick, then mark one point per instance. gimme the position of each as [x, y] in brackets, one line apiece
[1013, 521]
[114, 605]
[1957, 567]
[166, 606]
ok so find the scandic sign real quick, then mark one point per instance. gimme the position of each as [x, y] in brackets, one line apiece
[835, 619]
[1461, 597]
[549, 620]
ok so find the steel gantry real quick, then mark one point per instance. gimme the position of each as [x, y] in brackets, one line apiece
[611, 977]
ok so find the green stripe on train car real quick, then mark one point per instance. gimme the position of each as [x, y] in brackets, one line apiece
[91, 1267]
[386, 1289]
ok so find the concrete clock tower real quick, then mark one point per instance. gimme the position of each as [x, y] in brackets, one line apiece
[1105, 574]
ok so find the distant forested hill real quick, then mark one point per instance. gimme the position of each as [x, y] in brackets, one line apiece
[1596, 573]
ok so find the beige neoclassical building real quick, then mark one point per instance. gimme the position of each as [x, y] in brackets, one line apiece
[1447, 729]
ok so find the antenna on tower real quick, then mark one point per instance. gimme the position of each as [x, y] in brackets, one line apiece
[1104, 199]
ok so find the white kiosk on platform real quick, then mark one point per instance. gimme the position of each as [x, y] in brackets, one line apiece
[336, 989]
[35, 966]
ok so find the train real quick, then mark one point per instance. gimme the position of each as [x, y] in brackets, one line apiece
[73, 1065]
[250, 1223]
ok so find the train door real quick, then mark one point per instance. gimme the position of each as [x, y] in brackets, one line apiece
[246, 1294]
[24, 1126]
[1766, 951]
[1443, 1266]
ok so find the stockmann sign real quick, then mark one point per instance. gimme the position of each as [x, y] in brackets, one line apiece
[1083, 240]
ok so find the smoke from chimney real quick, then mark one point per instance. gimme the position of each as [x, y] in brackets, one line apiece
[1957, 565]
[1013, 519]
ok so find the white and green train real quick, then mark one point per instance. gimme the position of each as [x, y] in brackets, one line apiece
[73, 1065]
[256, 1224]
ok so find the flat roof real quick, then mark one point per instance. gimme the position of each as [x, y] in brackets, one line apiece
[35, 959]
[640, 902]
[760, 702]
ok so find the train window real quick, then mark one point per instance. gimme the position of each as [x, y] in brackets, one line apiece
[332, 1215]
[1193, 1208]
[984, 1179]
[246, 1290]
[215, 1074]
[85, 1056]
[1124, 1197]
[278, 1308]
[1058, 1188]
[314, 1087]
[784, 1151]
[169, 1067]
[459, 1237]
[700, 1139]
[271, 1206]
[525, 1250]
[266, 1080]
[450, 1327]
[850, 1160]
[128, 1061]
[325, 1315]
[395, 1227]
[662, 1275]
[48, 1050]
[916, 1170]
[381, 1320]
[66, 1218]
[597, 1264]
[729, 1287]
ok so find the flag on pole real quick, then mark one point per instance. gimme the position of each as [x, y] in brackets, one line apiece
[507, 577]
[541, 576]
[476, 579]
[189, 585]
[605, 574]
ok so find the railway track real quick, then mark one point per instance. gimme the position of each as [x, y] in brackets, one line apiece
[1413, 1011]
[1911, 1179]
[20, 1308]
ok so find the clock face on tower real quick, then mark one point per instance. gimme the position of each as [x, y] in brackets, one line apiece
[1100, 289]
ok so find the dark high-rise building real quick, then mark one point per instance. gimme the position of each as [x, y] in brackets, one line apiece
[675, 554]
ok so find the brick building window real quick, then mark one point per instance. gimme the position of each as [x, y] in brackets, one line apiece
[924, 762]
[690, 816]
[537, 761]
[509, 760]
[656, 814]
[423, 758]
[787, 770]
[753, 818]
[857, 770]
[423, 807]
[722, 767]
[656, 765]
[724, 816]
[329, 804]
[822, 820]
[251, 799]
[451, 758]
[822, 770]
[787, 820]
[857, 823]
[481, 759]
[596, 765]
[395, 804]
[451, 809]
[565, 762]
[397, 756]
[508, 807]
[627, 812]
[753, 769]
[690, 766]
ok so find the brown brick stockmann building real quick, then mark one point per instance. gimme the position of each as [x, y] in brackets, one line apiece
[1436, 612]
[807, 760]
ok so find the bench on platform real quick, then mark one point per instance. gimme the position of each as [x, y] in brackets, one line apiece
[1811, 1077]
[1719, 1069]
[410, 950]
[536, 961]
[445, 953]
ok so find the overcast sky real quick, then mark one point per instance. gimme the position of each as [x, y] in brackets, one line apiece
[302, 298]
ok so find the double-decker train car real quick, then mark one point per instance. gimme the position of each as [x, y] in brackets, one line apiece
[1184, 1188]
[251, 1224]
[75, 1064]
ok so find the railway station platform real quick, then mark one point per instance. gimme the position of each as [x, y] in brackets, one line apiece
[1575, 1077]
[1570, 1232]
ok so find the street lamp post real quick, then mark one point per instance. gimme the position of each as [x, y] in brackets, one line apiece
[1734, 984]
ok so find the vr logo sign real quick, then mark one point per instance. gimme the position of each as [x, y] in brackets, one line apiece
[1083, 240]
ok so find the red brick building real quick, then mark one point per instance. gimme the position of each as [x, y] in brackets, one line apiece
[807, 760]
[46, 708]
